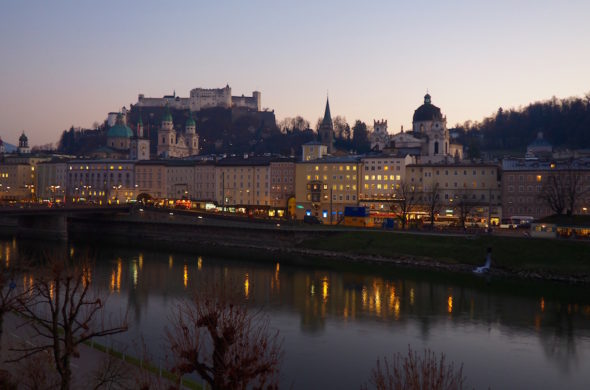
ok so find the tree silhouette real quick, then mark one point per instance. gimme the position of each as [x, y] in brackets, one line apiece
[63, 312]
[228, 346]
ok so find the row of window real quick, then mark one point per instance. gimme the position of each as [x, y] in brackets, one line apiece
[337, 168]
[334, 177]
[340, 197]
[100, 167]
[385, 168]
[384, 177]
[455, 173]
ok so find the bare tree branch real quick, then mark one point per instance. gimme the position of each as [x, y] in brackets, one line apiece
[63, 311]
[224, 343]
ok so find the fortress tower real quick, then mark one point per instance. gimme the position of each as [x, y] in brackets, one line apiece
[379, 137]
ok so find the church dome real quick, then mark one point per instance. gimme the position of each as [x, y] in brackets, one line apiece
[427, 112]
[120, 130]
[23, 138]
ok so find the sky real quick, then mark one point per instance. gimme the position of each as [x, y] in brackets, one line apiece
[67, 63]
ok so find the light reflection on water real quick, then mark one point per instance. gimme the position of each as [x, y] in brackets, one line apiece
[336, 324]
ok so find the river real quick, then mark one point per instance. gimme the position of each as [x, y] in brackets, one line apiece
[336, 321]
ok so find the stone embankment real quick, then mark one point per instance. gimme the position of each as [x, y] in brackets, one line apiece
[263, 242]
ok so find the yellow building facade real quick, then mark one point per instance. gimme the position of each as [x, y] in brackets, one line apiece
[323, 188]
[475, 184]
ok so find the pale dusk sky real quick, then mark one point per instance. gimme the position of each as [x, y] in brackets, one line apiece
[70, 63]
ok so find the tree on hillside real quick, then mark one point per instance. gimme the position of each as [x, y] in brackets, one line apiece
[222, 341]
[564, 122]
[63, 312]
[341, 128]
[360, 137]
[289, 125]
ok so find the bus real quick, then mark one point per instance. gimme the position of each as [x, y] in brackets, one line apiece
[517, 221]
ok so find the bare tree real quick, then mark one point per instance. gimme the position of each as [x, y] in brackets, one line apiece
[433, 202]
[574, 188]
[63, 313]
[341, 128]
[293, 124]
[553, 193]
[563, 189]
[9, 294]
[229, 347]
[405, 202]
[415, 372]
[463, 204]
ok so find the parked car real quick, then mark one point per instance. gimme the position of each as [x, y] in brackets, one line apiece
[312, 220]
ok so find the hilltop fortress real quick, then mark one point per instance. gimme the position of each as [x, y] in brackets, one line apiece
[201, 98]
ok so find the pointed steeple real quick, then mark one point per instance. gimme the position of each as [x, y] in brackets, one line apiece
[167, 115]
[139, 126]
[327, 121]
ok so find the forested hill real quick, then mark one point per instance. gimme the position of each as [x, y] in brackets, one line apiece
[564, 123]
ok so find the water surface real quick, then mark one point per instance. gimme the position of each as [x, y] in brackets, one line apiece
[336, 323]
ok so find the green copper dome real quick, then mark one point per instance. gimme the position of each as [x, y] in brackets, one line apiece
[120, 130]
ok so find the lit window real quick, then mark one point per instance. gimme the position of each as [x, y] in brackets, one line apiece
[317, 168]
[539, 178]
[386, 168]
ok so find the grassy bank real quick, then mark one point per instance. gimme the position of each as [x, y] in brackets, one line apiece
[509, 253]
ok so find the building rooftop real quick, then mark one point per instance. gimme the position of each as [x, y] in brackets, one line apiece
[427, 111]
[521, 164]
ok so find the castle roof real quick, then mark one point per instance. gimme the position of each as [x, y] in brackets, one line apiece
[120, 130]
[427, 111]
[23, 137]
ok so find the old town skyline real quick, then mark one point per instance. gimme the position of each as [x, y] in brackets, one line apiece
[61, 74]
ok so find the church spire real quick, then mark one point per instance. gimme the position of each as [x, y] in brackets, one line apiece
[327, 121]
